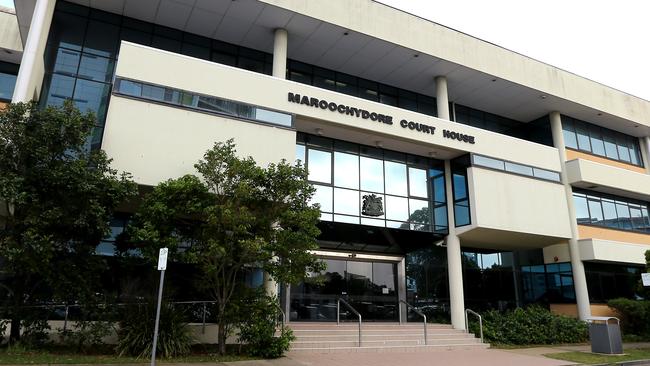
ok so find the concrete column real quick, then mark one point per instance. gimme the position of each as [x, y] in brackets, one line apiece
[442, 99]
[644, 144]
[454, 261]
[270, 286]
[578, 269]
[32, 68]
[280, 54]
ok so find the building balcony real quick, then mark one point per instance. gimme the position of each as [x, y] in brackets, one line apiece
[609, 179]
[511, 211]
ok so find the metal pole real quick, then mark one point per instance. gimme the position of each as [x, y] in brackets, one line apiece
[425, 330]
[155, 329]
[65, 320]
[399, 310]
[203, 329]
[338, 311]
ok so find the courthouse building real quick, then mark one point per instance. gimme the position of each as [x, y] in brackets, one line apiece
[451, 173]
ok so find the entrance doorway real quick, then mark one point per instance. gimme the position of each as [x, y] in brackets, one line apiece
[368, 283]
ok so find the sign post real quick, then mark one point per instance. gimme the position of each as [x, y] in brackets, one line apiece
[162, 266]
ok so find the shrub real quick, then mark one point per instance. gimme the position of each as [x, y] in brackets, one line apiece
[258, 330]
[634, 315]
[135, 335]
[531, 325]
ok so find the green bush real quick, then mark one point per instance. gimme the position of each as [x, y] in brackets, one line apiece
[135, 335]
[531, 325]
[634, 316]
[258, 330]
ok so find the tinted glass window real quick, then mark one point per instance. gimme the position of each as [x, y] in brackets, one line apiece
[372, 175]
[582, 209]
[320, 166]
[346, 170]
[395, 178]
[418, 182]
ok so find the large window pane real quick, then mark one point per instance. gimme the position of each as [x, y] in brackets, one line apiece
[597, 143]
[102, 39]
[583, 137]
[419, 211]
[439, 189]
[610, 147]
[595, 211]
[7, 85]
[460, 190]
[418, 182]
[395, 178]
[346, 170]
[397, 208]
[372, 174]
[322, 196]
[92, 96]
[636, 217]
[623, 213]
[582, 210]
[96, 68]
[346, 201]
[300, 153]
[623, 151]
[57, 89]
[67, 31]
[461, 213]
[63, 61]
[570, 139]
[609, 213]
[320, 166]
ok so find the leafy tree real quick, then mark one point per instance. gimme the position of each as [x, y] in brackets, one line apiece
[56, 201]
[236, 217]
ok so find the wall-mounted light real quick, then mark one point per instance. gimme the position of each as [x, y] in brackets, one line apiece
[319, 131]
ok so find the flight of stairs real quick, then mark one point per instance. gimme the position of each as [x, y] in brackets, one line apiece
[379, 337]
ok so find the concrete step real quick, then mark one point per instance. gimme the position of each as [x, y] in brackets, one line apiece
[396, 349]
[365, 331]
[380, 343]
[398, 336]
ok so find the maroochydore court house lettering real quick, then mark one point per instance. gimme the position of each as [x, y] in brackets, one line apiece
[377, 117]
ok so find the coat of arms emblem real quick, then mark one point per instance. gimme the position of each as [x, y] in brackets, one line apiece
[372, 205]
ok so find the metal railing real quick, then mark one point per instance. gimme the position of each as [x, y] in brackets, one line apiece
[480, 321]
[338, 314]
[417, 311]
[283, 316]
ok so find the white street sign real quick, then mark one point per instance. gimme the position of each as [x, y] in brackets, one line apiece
[645, 278]
[162, 259]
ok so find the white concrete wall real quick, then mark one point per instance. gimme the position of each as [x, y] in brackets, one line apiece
[378, 20]
[559, 251]
[588, 173]
[10, 37]
[612, 251]
[155, 142]
[514, 203]
[183, 72]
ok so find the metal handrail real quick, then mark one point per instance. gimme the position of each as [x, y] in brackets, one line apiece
[281, 313]
[338, 314]
[417, 311]
[480, 321]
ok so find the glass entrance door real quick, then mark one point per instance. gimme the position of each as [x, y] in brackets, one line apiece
[369, 286]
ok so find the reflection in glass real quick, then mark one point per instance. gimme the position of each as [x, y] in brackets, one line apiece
[346, 219]
[419, 211]
[460, 191]
[346, 201]
[395, 178]
[461, 213]
[609, 213]
[418, 182]
[519, 169]
[623, 213]
[397, 208]
[66, 62]
[346, 170]
[96, 68]
[58, 88]
[582, 210]
[322, 196]
[595, 211]
[91, 96]
[320, 166]
[300, 154]
[372, 174]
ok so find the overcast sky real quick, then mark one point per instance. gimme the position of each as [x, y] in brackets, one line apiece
[603, 40]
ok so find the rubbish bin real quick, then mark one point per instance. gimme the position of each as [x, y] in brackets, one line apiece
[605, 335]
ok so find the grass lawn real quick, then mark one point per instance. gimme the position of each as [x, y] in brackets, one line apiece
[68, 356]
[591, 358]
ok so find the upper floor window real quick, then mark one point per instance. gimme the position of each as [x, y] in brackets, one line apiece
[8, 74]
[362, 88]
[611, 211]
[360, 184]
[583, 136]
